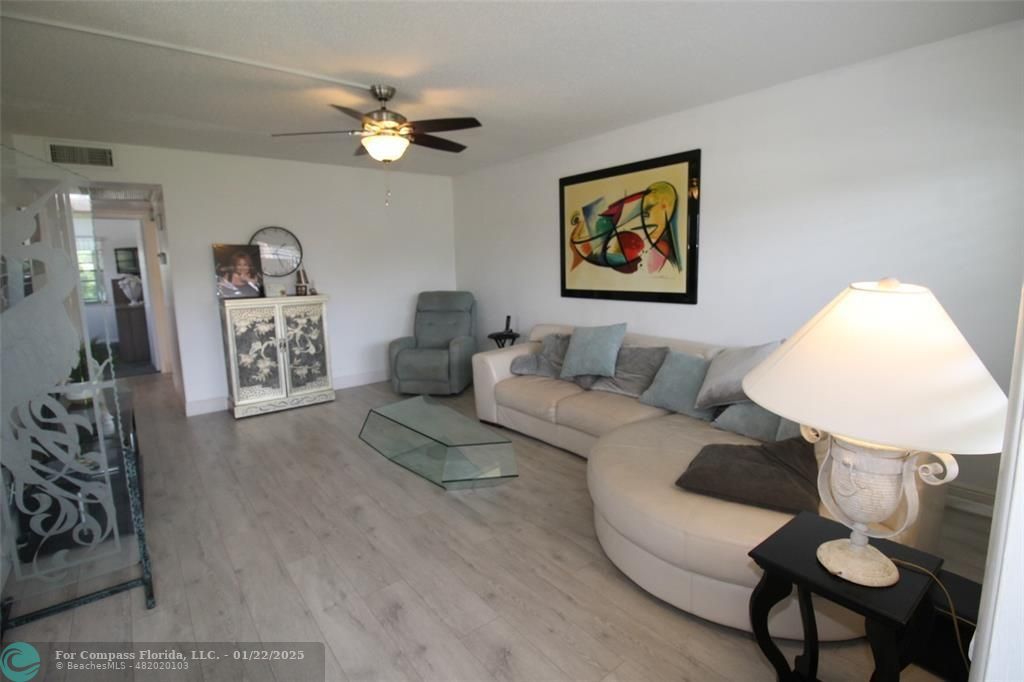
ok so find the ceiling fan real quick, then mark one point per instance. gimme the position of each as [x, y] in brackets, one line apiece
[386, 134]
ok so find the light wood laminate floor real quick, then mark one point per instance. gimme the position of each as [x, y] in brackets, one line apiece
[286, 527]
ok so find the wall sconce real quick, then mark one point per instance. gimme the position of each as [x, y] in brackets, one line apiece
[694, 189]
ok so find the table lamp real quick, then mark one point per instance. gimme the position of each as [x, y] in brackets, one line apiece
[884, 375]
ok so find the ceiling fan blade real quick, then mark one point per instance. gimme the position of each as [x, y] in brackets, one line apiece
[437, 143]
[321, 132]
[440, 125]
[360, 151]
[358, 115]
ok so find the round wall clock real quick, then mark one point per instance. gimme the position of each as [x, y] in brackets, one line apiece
[280, 250]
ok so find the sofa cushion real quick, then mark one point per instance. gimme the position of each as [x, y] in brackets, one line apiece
[781, 475]
[723, 384]
[676, 385]
[598, 412]
[631, 476]
[635, 369]
[534, 395]
[423, 364]
[593, 350]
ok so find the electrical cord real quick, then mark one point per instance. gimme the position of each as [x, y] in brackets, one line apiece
[952, 609]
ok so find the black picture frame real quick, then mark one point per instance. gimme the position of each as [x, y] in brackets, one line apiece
[692, 229]
[127, 261]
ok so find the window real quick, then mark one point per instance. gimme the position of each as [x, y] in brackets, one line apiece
[127, 261]
[90, 270]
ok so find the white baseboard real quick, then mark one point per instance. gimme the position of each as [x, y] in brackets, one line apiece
[197, 407]
[361, 379]
[970, 499]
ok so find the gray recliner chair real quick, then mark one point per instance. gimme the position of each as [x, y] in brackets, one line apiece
[438, 359]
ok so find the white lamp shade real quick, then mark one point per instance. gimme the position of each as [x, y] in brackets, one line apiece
[386, 146]
[884, 363]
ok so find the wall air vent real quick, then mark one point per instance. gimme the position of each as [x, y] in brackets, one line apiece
[81, 156]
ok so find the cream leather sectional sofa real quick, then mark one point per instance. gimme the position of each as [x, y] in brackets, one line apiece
[687, 549]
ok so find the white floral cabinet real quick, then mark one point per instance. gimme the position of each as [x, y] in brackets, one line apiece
[276, 353]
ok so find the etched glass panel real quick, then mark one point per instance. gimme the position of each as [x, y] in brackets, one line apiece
[257, 360]
[70, 513]
[307, 349]
[68, 528]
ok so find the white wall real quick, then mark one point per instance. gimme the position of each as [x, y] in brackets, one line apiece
[371, 260]
[911, 165]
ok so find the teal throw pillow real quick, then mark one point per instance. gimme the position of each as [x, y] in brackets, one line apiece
[676, 384]
[750, 420]
[787, 429]
[593, 350]
[753, 421]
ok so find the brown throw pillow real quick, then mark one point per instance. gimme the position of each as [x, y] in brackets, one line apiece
[780, 476]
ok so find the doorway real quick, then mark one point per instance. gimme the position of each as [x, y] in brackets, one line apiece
[128, 299]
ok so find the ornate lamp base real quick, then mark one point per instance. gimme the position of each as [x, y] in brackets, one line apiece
[862, 485]
[860, 564]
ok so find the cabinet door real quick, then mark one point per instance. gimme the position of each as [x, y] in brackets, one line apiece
[306, 343]
[256, 360]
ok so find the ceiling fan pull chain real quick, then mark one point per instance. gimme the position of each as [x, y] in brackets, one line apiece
[387, 186]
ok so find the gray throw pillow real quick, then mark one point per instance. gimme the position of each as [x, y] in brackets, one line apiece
[525, 364]
[750, 420]
[552, 355]
[676, 384]
[723, 384]
[635, 369]
[781, 476]
[593, 350]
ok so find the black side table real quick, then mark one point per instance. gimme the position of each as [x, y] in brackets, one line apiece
[501, 338]
[897, 618]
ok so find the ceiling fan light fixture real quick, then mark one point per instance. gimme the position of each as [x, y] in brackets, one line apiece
[385, 146]
[386, 134]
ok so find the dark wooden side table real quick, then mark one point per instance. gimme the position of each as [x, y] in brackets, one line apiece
[501, 338]
[897, 618]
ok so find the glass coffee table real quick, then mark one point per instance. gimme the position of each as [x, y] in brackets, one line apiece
[439, 444]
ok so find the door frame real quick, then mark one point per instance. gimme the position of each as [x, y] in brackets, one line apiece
[165, 352]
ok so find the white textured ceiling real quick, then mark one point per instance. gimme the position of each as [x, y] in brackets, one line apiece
[535, 74]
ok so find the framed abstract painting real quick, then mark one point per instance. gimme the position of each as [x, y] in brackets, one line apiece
[631, 232]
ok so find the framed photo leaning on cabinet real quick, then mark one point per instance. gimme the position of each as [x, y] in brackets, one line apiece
[239, 273]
